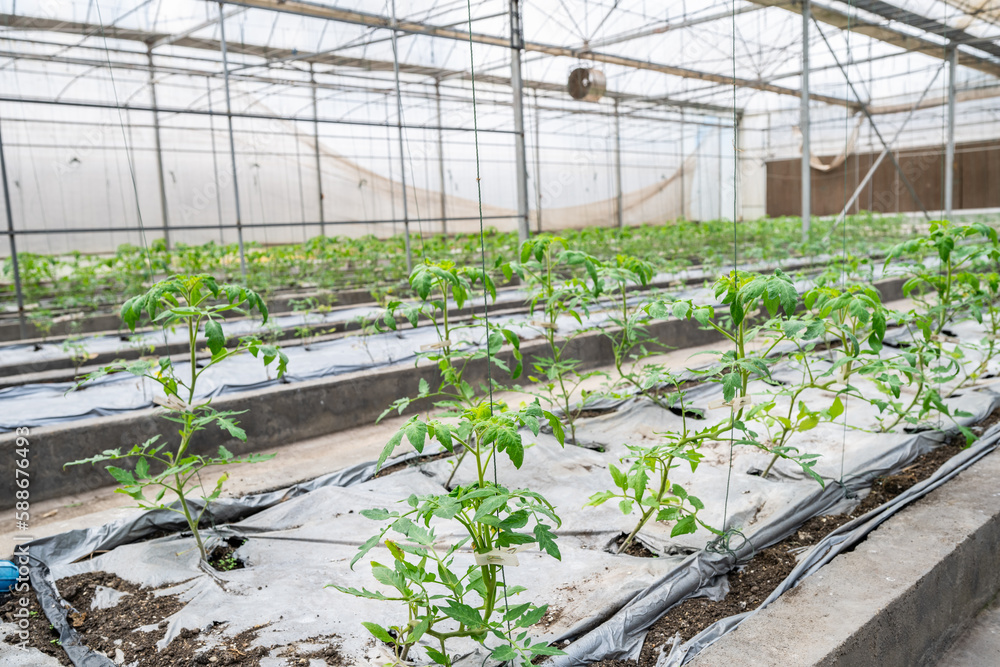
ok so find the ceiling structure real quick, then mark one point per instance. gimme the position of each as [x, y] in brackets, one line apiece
[682, 54]
[372, 81]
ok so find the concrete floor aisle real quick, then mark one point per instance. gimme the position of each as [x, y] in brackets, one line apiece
[979, 646]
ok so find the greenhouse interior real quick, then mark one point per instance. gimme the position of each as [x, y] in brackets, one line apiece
[483, 333]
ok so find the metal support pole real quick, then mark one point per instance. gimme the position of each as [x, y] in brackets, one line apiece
[232, 143]
[215, 163]
[159, 152]
[402, 154]
[444, 196]
[520, 157]
[718, 169]
[949, 159]
[538, 166]
[620, 208]
[319, 170]
[804, 124]
[22, 327]
[683, 164]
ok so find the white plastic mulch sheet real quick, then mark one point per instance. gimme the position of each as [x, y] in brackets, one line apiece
[24, 355]
[604, 602]
[50, 403]
[39, 404]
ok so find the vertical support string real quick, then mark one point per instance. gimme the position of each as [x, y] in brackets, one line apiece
[804, 126]
[215, 162]
[843, 249]
[619, 197]
[722, 543]
[440, 151]
[128, 155]
[482, 256]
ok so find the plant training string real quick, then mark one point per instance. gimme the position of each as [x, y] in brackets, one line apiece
[723, 544]
[128, 154]
[843, 249]
[482, 257]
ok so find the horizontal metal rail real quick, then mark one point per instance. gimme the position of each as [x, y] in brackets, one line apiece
[236, 114]
[136, 228]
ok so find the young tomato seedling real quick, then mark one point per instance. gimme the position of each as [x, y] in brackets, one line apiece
[197, 304]
[444, 598]
[546, 266]
[439, 287]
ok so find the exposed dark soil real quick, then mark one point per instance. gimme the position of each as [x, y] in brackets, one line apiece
[41, 635]
[587, 414]
[635, 548]
[114, 630]
[403, 465]
[672, 390]
[223, 557]
[750, 585]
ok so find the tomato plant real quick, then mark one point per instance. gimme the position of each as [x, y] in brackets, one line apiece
[198, 304]
[444, 598]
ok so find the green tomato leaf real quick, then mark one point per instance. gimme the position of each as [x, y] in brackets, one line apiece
[547, 540]
[684, 526]
[216, 339]
[378, 632]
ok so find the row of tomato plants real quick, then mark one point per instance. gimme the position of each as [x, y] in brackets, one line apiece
[81, 281]
[764, 320]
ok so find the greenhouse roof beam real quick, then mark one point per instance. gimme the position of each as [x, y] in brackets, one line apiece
[171, 39]
[19, 22]
[884, 33]
[85, 104]
[308, 9]
[982, 11]
[914, 20]
[659, 30]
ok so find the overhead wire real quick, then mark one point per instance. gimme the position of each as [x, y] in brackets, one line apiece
[128, 156]
[482, 257]
[723, 543]
[843, 249]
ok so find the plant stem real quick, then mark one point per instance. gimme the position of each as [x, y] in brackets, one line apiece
[900, 415]
[649, 512]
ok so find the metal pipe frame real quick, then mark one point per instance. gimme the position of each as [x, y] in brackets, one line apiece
[12, 240]
[884, 33]
[164, 210]
[949, 160]
[402, 151]
[871, 121]
[319, 166]
[234, 114]
[282, 56]
[245, 225]
[232, 143]
[314, 10]
[520, 154]
[887, 149]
